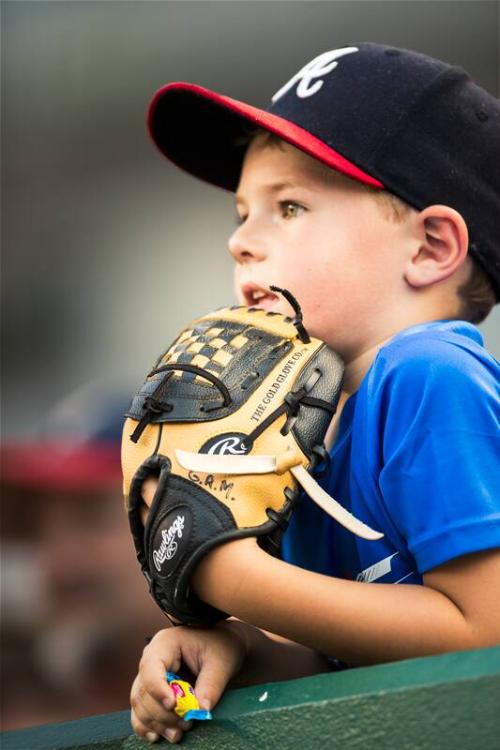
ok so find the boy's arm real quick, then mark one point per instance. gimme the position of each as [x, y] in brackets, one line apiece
[272, 658]
[361, 623]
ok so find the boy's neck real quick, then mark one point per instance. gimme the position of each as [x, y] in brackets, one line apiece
[357, 364]
[354, 372]
[356, 368]
[431, 310]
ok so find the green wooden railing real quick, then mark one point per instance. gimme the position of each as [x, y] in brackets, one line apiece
[442, 702]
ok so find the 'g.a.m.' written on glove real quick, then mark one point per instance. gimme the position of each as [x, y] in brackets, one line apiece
[231, 421]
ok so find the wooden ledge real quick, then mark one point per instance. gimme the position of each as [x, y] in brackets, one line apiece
[451, 701]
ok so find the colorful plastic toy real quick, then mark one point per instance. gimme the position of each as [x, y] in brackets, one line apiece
[187, 706]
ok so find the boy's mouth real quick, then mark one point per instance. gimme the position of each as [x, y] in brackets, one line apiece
[259, 297]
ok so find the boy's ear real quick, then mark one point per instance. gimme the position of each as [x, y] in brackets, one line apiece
[442, 246]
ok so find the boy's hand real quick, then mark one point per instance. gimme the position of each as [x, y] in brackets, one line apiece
[214, 655]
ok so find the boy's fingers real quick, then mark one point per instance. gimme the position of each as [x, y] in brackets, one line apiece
[147, 708]
[149, 712]
[152, 671]
[142, 730]
[153, 731]
[148, 490]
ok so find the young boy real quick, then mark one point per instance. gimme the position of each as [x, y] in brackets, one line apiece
[371, 191]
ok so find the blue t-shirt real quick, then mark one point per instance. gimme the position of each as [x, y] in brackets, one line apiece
[417, 457]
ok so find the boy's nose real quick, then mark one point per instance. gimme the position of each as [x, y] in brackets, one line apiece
[245, 246]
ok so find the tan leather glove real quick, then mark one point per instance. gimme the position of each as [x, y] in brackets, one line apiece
[231, 420]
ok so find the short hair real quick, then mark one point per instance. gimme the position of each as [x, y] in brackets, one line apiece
[476, 295]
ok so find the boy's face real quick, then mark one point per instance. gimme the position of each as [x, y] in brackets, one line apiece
[321, 236]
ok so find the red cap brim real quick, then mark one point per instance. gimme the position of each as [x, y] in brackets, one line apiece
[59, 465]
[202, 132]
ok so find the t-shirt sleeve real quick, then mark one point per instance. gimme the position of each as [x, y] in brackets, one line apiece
[440, 476]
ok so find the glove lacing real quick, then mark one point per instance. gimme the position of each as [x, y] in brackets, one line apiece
[154, 404]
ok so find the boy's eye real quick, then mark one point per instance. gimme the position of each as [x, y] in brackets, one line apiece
[290, 209]
[239, 219]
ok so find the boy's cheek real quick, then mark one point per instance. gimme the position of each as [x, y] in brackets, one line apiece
[237, 287]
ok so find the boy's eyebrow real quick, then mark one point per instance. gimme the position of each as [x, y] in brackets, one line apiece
[274, 187]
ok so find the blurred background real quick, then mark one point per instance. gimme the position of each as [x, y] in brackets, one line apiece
[107, 251]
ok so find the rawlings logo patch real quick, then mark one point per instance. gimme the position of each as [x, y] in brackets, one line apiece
[169, 546]
[230, 443]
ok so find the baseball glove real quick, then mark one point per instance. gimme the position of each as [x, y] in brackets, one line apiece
[231, 420]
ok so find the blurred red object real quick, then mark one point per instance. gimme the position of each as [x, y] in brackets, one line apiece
[61, 464]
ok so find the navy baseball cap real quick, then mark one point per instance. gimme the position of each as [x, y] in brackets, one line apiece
[390, 118]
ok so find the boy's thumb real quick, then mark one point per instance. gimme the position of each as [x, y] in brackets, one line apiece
[211, 683]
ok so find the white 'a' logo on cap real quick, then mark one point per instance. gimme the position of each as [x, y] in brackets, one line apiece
[306, 77]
